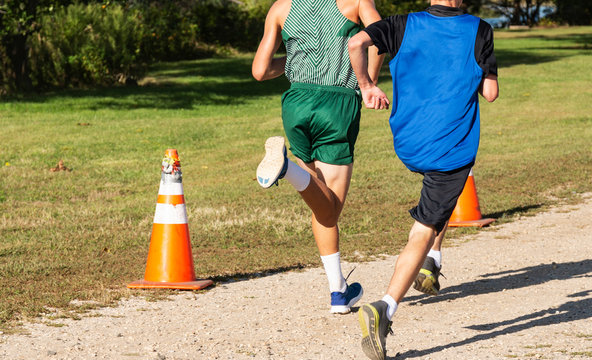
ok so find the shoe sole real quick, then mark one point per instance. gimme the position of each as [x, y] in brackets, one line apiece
[346, 309]
[369, 319]
[424, 282]
[271, 166]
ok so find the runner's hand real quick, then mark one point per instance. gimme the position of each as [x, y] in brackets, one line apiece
[374, 98]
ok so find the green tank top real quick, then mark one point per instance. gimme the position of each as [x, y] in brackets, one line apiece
[315, 34]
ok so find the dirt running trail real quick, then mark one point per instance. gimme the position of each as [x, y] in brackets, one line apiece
[521, 290]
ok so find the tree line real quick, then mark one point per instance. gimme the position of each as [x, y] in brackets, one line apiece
[48, 44]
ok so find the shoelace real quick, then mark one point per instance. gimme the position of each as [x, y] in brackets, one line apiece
[389, 329]
[352, 270]
[440, 273]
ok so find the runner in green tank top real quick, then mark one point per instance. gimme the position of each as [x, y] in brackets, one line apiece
[320, 113]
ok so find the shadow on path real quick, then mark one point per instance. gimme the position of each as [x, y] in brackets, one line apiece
[514, 279]
[569, 311]
[512, 211]
[508, 280]
[221, 279]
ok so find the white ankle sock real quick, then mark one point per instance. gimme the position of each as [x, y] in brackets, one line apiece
[437, 256]
[392, 305]
[332, 266]
[297, 176]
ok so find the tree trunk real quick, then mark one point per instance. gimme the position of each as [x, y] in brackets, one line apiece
[18, 57]
[516, 14]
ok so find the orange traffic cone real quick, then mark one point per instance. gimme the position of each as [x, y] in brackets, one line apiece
[170, 263]
[467, 212]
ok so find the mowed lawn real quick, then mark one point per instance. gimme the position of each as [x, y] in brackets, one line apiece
[84, 233]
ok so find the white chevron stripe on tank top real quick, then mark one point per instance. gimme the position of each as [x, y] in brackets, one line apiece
[315, 34]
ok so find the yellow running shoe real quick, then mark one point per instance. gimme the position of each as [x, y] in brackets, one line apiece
[427, 279]
[375, 328]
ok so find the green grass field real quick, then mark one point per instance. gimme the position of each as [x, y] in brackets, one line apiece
[83, 234]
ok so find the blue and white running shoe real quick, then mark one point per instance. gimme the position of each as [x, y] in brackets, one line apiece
[341, 302]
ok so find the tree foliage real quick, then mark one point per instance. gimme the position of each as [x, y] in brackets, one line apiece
[83, 45]
[574, 12]
[46, 43]
[18, 21]
[520, 12]
[390, 7]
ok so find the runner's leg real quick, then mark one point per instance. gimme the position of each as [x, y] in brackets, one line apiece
[326, 195]
[421, 238]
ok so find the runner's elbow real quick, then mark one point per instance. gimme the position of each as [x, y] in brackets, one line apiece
[258, 74]
[490, 88]
[353, 44]
[490, 96]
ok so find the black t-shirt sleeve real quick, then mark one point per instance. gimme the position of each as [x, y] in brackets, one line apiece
[484, 49]
[387, 34]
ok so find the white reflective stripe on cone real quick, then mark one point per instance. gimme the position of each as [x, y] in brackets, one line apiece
[170, 214]
[170, 188]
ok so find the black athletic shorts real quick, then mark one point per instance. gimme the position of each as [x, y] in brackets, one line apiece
[439, 194]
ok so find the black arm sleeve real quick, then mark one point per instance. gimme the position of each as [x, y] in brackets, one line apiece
[484, 49]
[387, 34]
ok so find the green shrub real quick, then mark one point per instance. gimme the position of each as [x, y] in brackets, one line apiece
[98, 43]
[225, 22]
[168, 33]
[548, 23]
[188, 29]
[388, 7]
[573, 12]
[90, 44]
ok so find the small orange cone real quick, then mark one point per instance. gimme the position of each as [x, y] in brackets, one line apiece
[467, 212]
[170, 263]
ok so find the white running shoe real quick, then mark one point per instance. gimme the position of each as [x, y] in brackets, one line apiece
[275, 163]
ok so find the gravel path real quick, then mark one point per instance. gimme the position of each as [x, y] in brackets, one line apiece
[521, 290]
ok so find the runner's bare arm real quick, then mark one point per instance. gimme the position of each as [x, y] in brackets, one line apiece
[489, 88]
[265, 66]
[369, 15]
[373, 97]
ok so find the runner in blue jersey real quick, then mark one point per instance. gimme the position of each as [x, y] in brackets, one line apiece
[442, 59]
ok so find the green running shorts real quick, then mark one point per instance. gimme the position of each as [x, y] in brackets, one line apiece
[322, 122]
